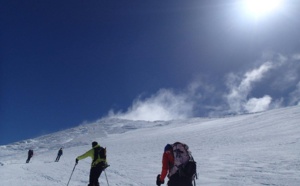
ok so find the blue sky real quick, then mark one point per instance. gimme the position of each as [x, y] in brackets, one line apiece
[67, 62]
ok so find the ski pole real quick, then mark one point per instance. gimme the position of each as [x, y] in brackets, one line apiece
[106, 178]
[71, 174]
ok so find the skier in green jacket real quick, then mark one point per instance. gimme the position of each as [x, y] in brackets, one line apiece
[98, 155]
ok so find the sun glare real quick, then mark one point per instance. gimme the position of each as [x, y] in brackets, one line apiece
[259, 8]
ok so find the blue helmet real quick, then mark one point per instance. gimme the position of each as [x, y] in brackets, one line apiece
[168, 147]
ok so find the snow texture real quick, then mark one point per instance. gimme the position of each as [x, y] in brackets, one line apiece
[254, 149]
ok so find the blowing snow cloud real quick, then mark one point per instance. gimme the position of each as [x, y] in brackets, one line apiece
[164, 105]
[277, 75]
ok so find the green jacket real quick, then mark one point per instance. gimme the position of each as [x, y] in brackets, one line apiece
[90, 153]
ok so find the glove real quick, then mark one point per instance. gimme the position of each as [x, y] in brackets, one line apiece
[158, 181]
[104, 165]
[76, 160]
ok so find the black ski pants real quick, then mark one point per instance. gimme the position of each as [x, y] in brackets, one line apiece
[95, 174]
[176, 180]
[28, 159]
[58, 157]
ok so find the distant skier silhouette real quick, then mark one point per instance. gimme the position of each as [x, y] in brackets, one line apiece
[30, 154]
[59, 154]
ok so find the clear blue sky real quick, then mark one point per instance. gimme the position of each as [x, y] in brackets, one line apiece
[66, 62]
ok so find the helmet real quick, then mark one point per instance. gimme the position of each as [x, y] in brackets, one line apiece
[168, 147]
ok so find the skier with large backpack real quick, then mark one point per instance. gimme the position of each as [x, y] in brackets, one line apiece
[99, 164]
[178, 164]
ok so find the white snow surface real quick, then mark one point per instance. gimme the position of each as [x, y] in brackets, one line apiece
[254, 149]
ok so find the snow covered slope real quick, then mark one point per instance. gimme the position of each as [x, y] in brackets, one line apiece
[254, 149]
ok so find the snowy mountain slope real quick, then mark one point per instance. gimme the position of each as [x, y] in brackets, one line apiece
[254, 149]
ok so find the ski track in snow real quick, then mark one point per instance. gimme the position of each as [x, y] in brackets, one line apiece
[254, 149]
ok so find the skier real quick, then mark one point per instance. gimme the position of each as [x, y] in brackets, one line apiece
[98, 155]
[30, 154]
[60, 153]
[167, 166]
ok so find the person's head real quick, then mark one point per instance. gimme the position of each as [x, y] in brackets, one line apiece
[168, 147]
[94, 143]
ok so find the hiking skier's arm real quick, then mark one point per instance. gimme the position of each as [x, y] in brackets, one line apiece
[85, 155]
[165, 167]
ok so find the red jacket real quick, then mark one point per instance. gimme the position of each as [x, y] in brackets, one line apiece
[167, 164]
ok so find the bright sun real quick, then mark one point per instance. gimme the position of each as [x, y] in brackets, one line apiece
[259, 8]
